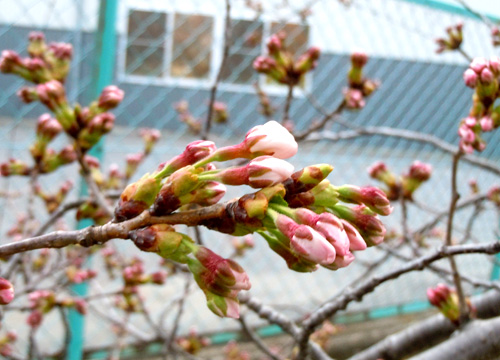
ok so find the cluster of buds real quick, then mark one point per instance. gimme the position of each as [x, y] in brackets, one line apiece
[6, 291]
[41, 302]
[401, 186]
[193, 342]
[77, 275]
[301, 215]
[280, 64]
[359, 86]
[482, 76]
[185, 116]
[133, 276]
[47, 66]
[266, 107]
[17, 231]
[6, 342]
[233, 352]
[14, 167]
[150, 138]
[53, 201]
[46, 130]
[446, 300]
[45, 62]
[452, 41]
[495, 35]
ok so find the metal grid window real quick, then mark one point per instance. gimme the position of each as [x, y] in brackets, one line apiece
[168, 48]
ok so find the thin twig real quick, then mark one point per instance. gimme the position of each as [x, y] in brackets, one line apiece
[225, 53]
[256, 339]
[288, 104]
[404, 134]
[177, 320]
[464, 310]
[321, 124]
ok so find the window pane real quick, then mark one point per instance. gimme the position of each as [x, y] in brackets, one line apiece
[192, 46]
[297, 36]
[246, 46]
[144, 60]
[146, 25]
[145, 43]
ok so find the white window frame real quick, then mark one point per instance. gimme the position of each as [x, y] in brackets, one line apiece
[215, 57]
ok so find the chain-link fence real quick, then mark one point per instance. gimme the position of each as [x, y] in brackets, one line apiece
[168, 55]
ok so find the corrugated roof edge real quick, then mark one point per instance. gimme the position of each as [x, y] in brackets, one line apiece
[450, 8]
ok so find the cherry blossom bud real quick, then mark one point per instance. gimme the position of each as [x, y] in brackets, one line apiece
[14, 167]
[420, 171]
[470, 78]
[486, 123]
[356, 241]
[306, 179]
[308, 61]
[371, 196]
[6, 291]
[133, 162]
[220, 112]
[359, 59]
[137, 197]
[194, 152]
[487, 76]
[61, 51]
[150, 138]
[35, 318]
[223, 306]
[210, 193]
[11, 62]
[260, 172]
[341, 261]
[27, 94]
[495, 65]
[159, 277]
[467, 134]
[271, 139]
[306, 242]
[51, 94]
[48, 127]
[478, 64]
[274, 44]
[354, 99]
[36, 46]
[111, 96]
[494, 195]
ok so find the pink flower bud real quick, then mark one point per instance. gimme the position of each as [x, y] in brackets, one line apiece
[266, 171]
[102, 123]
[274, 45]
[377, 169]
[420, 171]
[494, 195]
[470, 121]
[359, 59]
[10, 61]
[48, 127]
[356, 241]
[6, 291]
[470, 78]
[271, 139]
[341, 261]
[62, 51]
[467, 134]
[111, 96]
[354, 99]
[495, 65]
[51, 94]
[486, 123]
[311, 245]
[35, 318]
[27, 94]
[371, 196]
[478, 64]
[487, 76]
[333, 230]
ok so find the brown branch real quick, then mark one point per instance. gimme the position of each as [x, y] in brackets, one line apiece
[96, 235]
[426, 333]
[225, 53]
[256, 339]
[356, 294]
[288, 104]
[404, 134]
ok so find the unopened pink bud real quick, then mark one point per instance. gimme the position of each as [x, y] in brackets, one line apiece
[495, 64]
[6, 291]
[111, 96]
[470, 121]
[420, 171]
[35, 318]
[487, 76]
[470, 78]
[486, 123]
[62, 51]
[359, 59]
[271, 139]
[48, 127]
[467, 134]
[478, 64]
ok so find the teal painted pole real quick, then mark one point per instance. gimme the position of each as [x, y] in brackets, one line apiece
[495, 273]
[103, 75]
[454, 9]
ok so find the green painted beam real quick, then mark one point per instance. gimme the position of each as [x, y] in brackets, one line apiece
[454, 9]
[102, 76]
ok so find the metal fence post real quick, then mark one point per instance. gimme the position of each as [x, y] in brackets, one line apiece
[102, 75]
